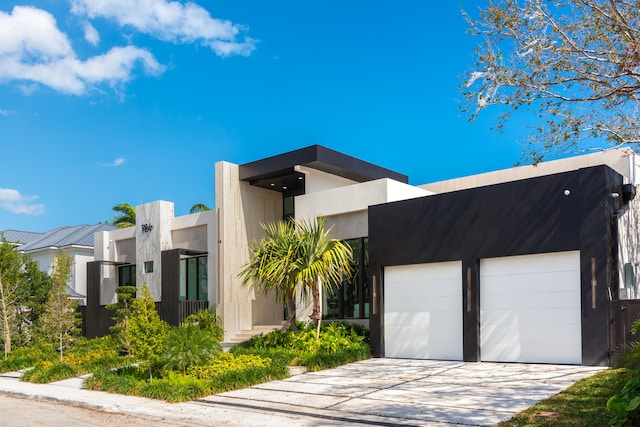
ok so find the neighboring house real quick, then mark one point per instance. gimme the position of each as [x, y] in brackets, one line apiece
[77, 241]
[517, 265]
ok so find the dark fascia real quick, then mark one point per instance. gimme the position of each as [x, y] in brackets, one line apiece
[317, 157]
[190, 252]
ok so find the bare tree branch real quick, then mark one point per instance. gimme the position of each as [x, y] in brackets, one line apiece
[575, 63]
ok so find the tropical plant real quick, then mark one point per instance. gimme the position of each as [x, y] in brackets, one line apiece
[575, 63]
[321, 264]
[187, 346]
[145, 331]
[272, 266]
[125, 215]
[199, 207]
[298, 256]
[624, 408]
[206, 320]
[59, 320]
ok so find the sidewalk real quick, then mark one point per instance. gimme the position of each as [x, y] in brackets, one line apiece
[380, 392]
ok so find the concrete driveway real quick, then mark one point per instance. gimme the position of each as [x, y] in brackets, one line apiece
[375, 392]
[408, 392]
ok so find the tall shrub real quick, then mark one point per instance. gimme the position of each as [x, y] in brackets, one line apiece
[122, 311]
[60, 318]
[145, 331]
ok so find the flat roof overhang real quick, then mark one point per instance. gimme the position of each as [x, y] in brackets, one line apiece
[279, 172]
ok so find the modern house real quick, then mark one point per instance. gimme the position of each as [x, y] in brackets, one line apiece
[77, 241]
[519, 265]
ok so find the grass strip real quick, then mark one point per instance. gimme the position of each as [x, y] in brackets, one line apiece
[582, 404]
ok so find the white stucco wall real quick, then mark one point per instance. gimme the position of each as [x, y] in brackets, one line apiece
[80, 255]
[106, 245]
[317, 180]
[629, 235]
[621, 160]
[101, 246]
[79, 280]
[629, 248]
[199, 232]
[354, 198]
[44, 258]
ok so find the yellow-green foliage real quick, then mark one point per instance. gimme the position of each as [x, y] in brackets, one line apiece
[84, 357]
[88, 358]
[227, 362]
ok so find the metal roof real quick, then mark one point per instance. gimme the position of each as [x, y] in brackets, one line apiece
[20, 237]
[79, 235]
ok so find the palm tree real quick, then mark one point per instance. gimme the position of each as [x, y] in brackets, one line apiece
[199, 207]
[322, 262]
[298, 255]
[126, 215]
[271, 267]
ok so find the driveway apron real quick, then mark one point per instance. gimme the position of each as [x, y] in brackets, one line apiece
[410, 392]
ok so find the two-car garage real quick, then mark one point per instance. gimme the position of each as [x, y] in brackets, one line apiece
[530, 309]
[519, 271]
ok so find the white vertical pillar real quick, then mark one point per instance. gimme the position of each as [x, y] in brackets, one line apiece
[153, 235]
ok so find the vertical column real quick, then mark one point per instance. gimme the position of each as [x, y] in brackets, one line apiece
[153, 235]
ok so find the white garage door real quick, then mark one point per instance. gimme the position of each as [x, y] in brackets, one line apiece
[423, 311]
[530, 309]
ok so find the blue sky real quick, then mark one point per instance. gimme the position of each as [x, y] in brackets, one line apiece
[111, 101]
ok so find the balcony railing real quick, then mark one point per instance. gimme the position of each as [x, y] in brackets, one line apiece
[187, 308]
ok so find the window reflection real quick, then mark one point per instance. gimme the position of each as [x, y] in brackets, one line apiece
[193, 279]
[351, 299]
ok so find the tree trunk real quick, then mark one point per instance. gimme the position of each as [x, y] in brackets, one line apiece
[60, 347]
[5, 322]
[291, 319]
[316, 314]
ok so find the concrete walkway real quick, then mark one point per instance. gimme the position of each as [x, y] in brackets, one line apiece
[380, 392]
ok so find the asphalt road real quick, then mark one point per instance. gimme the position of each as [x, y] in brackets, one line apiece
[19, 412]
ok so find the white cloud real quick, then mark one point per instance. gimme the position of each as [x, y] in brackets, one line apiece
[5, 113]
[12, 201]
[117, 162]
[31, 32]
[32, 48]
[91, 34]
[171, 21]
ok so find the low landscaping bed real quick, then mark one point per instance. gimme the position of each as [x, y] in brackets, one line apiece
[263, 358]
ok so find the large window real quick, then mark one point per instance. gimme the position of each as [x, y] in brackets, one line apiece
[127, 275]
[351, 299]
[193, 279]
